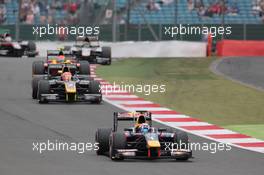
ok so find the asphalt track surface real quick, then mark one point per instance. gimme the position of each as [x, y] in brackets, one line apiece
[24, 121]
[249, 71]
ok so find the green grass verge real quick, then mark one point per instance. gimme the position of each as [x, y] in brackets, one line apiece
[192, 89]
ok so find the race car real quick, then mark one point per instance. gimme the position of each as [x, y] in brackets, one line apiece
[57, 59]
[88, 48]
[142, 140]
[65, 87]
[16, 48]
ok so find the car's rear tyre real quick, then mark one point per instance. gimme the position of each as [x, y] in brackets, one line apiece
[38, 68]
[68, 48]
[84, 68]
[32, 48]
[18, 53]
[106, 53]
[43, 88]
[35, 82]
[182, 140]
[95, 89]
[102, 138]
[117, 141]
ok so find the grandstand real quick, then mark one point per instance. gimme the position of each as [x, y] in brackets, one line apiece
[170, 13]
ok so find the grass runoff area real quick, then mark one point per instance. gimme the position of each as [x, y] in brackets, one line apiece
[192, 89]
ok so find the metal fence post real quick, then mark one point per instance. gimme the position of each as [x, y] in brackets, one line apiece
[18, 21]
[139, 32]
[245, 31]
[114, 22]
[160, 32]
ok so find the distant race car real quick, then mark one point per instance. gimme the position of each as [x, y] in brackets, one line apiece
[16, 48]
[88, 48]
[142, 140]
[66, 86]
[57, 59]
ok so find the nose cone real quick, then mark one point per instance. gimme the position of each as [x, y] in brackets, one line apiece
[153, 144]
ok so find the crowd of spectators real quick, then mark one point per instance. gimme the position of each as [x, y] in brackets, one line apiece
[258, 8]
[43, 11]
[215, 7]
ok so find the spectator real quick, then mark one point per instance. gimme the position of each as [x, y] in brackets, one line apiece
[258, 8]
[190, 5]
[153, 6]
[198, 4]
[233, 9]
[2, 13]
[30, 17]
[165, 2]
[261, 14]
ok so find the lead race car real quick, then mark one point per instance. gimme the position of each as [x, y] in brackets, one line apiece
[88, 48]
[142, 140]
[16, 48]
[66, 86]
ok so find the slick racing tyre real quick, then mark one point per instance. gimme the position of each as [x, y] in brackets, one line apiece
[106, 53]
[84, 68]
[95, 89]
[68, 48]
[35, 82]
[31, 48]
[117, 141]
[43, 88]
[38, 68]
[182, 140]
[18, 53]
[102, 138]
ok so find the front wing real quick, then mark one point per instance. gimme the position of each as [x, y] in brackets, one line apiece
[164, 154]
[80, 98]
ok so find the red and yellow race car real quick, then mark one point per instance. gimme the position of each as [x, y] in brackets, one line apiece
[142, 140]
[57, 59]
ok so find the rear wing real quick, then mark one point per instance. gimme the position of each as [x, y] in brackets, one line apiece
[130, 116]
[57, 52]
[87, 38]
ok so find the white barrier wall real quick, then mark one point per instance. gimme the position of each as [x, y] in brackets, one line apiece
[142, 49]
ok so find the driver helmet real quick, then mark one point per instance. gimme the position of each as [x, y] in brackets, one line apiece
[65, 69]
[7, 37]
[61, 56]
[66, 76]
[61, 52]
[145, 127]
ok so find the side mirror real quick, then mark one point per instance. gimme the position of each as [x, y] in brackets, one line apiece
[128, 129]
[162, 129]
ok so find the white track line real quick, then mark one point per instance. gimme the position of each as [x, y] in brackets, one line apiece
[239, 140]
[155, 116]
